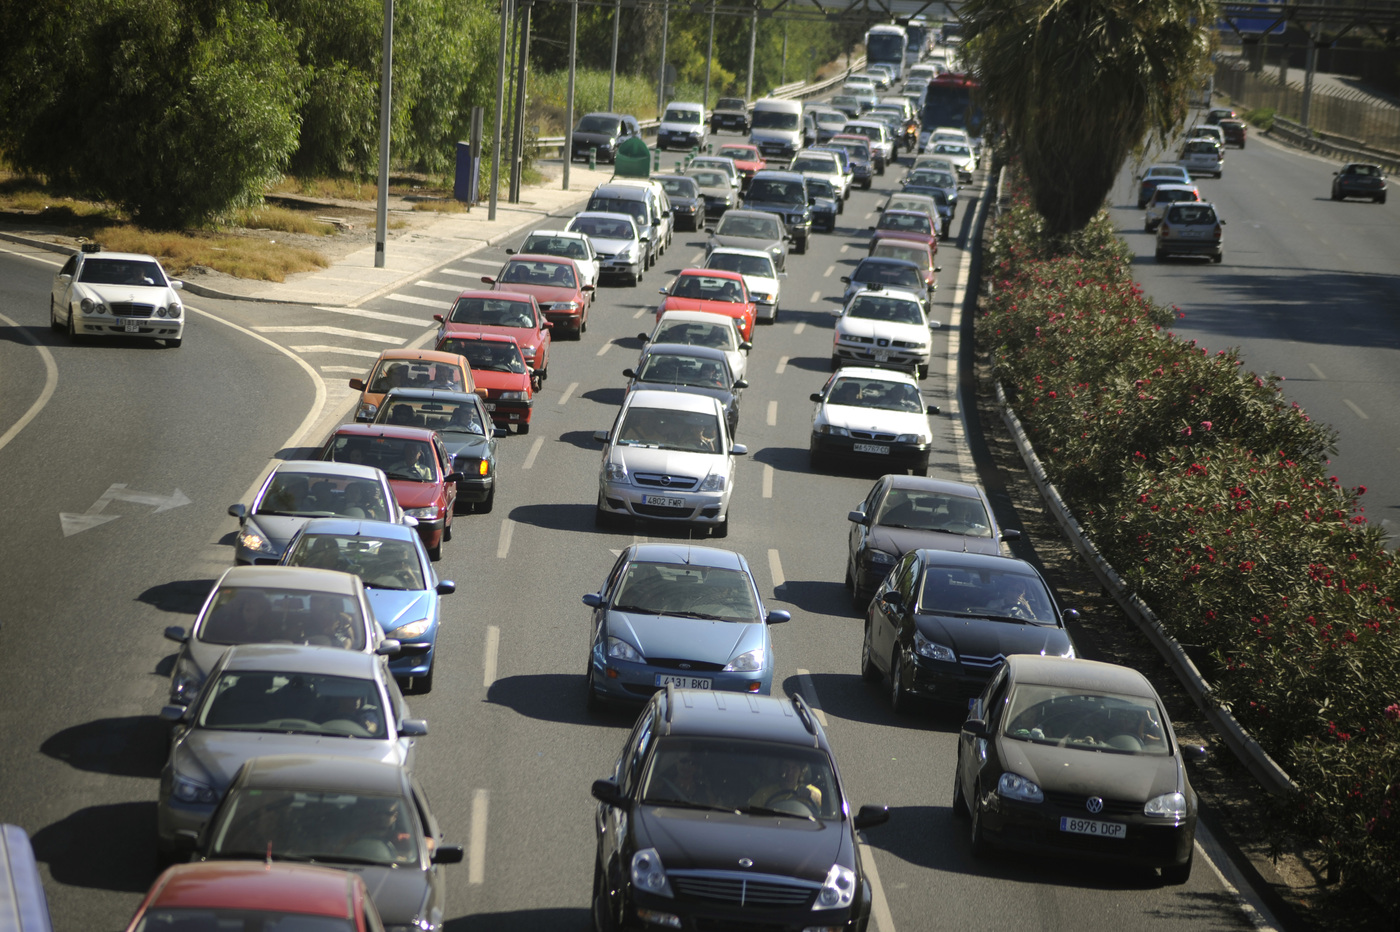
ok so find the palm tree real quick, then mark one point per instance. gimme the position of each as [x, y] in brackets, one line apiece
[1079, 84]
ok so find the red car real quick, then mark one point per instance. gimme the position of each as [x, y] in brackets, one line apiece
[557, 285]
[502, 378]
[746, 158]
[417, 464]
[257, 894]
[513, 314]
[906, 224]
[712, 291]
[915, 251]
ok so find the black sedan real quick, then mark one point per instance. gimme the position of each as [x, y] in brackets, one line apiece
[902, 513]
[1076, 757]
[1359, 179]
[699, 370]
[724, 814]
[687, 206]
[943, 622]
[464, 424]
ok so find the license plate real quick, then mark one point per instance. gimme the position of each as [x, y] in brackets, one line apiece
[1192, 234]
[683, 682]
[663, 501]
[871, 448]
[882, 357]
[490, 406]
[131, 326]
[1091, 827]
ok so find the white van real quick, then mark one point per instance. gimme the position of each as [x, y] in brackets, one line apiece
[776, 127]
[682, 126]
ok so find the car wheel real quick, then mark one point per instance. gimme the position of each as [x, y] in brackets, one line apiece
[959, 801]
[173, 344]
[801, 246]
[721, 530]
[604, 520]
[899, 699]
[522, 429]
[1380, 199]
[840, 205]
[816, 461]
[921, 372]
[72, 329]
[1147, 226]
[1336, 196]
[835, 362]
[980, 846]
[1161, 255]
[1177, 874]
[484, 506]
[591, 701]
[850, 582]
[435, 552]
[447, 530]
[53, 316]
[865, 185]
[424, 684]
[1218, 258]
[603, 919]
[868, 671]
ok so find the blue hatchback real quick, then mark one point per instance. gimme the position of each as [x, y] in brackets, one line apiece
[676, 615]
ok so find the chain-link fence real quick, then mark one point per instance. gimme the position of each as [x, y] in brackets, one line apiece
[1358, 122]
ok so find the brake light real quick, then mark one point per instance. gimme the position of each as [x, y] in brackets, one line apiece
[1217, 231]
[1165, 228]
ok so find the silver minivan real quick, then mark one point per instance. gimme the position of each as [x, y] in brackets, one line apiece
[637, 201]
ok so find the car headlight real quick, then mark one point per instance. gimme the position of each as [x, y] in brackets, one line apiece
[880, 558]
[747, 662]
[648, 873]
[1170, 806]
[1015, 786]
[618, 649]
[175, 310]
[414, 629]
[714, 482]
[838, 891]
[615, 472]
[186, 681]
[566, 305]
[832, 430]
[912, 438]
[511, 396]
[250, 539]
[90, 306]
[430, 512]
[933, 650]
[627, 252]
[189, 791]
[367, 410]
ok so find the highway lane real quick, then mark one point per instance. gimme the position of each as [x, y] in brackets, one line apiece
[512, 752]
[1307, 290]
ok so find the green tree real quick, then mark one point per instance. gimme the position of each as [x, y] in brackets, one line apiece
[1079, 84]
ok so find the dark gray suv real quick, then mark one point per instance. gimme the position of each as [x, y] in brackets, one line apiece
[785, 194]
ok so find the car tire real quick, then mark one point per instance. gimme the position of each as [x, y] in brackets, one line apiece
[447, 530]
[604, 520]
[603, 919]
[865, 185]
[959, 801]
[591, 700]
[1174, 875]
[54, 325]
[424, 684]
[1161, 255]
[435, 553]
[522, 429]
[1147, 226]
[850, 581]
[73, 336]
[1336, 196]
[816, 460]
[840, 205]
[484, 506]
[868, 671]
[173, 344]
[801, 245]
[978, 836]
[1380, 199]
[721, 530]
[921, 372]
[899, 698]
[835, 362]
[1218, 258]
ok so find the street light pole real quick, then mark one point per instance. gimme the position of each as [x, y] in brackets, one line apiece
[661, 77]
[569, 105]
[386, 97]
[612, 71]
[709, 56]
[517, 165]
[753, 40]
[500, 111]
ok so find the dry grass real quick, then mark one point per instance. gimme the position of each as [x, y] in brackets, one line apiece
[282, 220]
[30, 196]
[360, 189]
[246, 257]
[443, 206]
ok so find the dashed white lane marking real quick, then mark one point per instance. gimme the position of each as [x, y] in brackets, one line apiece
[829, 270]
[772, 414]
[439, 286]
[1355, 409]
[374, 315]
[476, 846]
[604, 348]
[336, 332]
[491, 655]
[1317, 372]
[568, 393]
[782, 364]
[699, 259]
[870, 215]
[507, 532]
[775, 569]
[641, 312]
[767, 480]
[346, 351]
[422, 302]
[845, 248]
[809, 692]
[534, 451]
[816, 296]
[801, 326]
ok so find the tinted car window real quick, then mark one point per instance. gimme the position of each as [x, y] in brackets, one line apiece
[958, 591]
[382, 564]
[257, 615]
[295, 494]
[597, 124]
[134, 272]
[1190, 214]
[335, 706]
[318, 825]
[492, 312]
[1086, 719]
[887, 309]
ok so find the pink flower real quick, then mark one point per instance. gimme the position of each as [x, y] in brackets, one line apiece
[1206, 425]
[1392, 711]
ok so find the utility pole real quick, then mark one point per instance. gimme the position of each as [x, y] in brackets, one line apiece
[569, 114]
[500, 111]
[709, 56]
[753, 40]
[783, 78]
[386, 97]
[661, 76]
[517, 165]
[1313, 38]
[612, 71]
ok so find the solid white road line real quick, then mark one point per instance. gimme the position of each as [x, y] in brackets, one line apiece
[476, 845]
[801, 326]
[336, 332]
[782, 364]
[809, 692]
[568, 393]
[534, 451]
[604, 348]
[439, 286]
[423, 302]
[879, 906]
[50, 382]
[772, 414]
[1317, 372]
[767, 480]
[507, 532]
[775, 569]
[491, 655]
[374, 315]
[1355, 409]
[322, 348]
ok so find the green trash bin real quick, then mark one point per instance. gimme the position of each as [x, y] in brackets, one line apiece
[633, 159]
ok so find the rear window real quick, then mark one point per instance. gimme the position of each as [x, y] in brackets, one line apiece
[1191, 214]
[259, 615]
[493, 312]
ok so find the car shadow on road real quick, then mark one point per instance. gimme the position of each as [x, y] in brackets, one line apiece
[817, 318]
[31, 336]
[847, 696]
[555, 697]
[787, 459]
[522, 920]
[820, 364]
[818, 596]
[134, 746]
[298, 453]
[607, 396]
[583, 439]
[555, 516]
[79, 849]
[183, 597]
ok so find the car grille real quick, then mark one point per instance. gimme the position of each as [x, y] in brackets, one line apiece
[676, 663]
[656, 480]
[742, 890]
[662, 511]
[127, 309]
[1112, 808]
[873, 435]
[982, 663]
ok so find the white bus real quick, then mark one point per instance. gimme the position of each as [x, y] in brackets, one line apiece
[886, 45]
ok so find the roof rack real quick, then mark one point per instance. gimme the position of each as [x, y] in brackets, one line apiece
[804, 712]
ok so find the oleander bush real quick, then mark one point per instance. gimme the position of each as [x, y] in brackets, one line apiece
[1209, 493]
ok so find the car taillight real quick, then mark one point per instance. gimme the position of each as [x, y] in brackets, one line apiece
[1165, 228]
[1217, 231]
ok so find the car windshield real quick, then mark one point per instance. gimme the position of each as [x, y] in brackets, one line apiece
[667, 429]
[688, 591]
[1190, 214]
[758, 778]
[446, 416]
[603, 228]
[1086, 720]
[757, 266]
[493, 312]
[924, 510]
[1202, 147]
[680, 187]
[830, 118]
[1000, 595]
[901, 220]
[710, 179]
[731, 103]
[382, 564]
[773, 191]
[856, 150]
[487, 355]
[607, 126]
[138, 273]
[888, 249]
[818, 187]
[889, 310]
[674, 115]
[329, 826]
[636, 209]
[675, 369]
[708, 288]
[399, 457]
[415, 373]
[526, 272]
[187, 918]
[888, 273]
[261, 615]
[774, 119]
[323, 496]
[765, 228]
[695, 333]
[813, 163]
[724, 165]
[565, 246]
[931, 178]
[294, 703]
[739, 153]
[951, 148]
[875, 393]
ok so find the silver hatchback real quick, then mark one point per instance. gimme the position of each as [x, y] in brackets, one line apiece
[1191, 228]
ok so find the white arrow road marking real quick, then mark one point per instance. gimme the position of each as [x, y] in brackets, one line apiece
[76, 523]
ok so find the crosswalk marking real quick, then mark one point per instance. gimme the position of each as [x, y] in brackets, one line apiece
[423, 302]
[335, 332]
[375, 315]
[491, 262]
[321, 348]
[343, 370]
[440, 286]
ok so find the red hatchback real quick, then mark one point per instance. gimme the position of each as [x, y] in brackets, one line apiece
[417, 464]
[906, 224]
[713, 291]
[746, 158]
[513, 314]
[557, 285]
[256, 894]
[502, 378]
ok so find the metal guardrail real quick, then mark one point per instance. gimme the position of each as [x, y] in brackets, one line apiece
[1296, 134]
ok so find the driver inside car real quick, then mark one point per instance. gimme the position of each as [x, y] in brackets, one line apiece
[792, 783]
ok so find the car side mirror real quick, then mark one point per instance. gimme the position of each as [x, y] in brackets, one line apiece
[439, 318]
[409, 521]
[738, 449]
[601, 436]
[871, 816]
[239, 511]
[778, 617]
[446, 587]
[937, 269]
[858, 517]
[389, 647]
[976, 728]
[661, 291]
[588, 288]
[816, 396]
[935, 325]
[177, 634]
[357, 384]
[546, 325]
[893, 598]
[741, 383]
[176, 285]
[746, 346]
[846, 278]
[510, 252]
[643, 337]
[1070, 614]
[447, 854]
[489, 279]
[593, 599]
[500, 432]
[630, 373]
[607, 792]
[174, 713]
[1194, 753]
[413, 728]
[1010, 534]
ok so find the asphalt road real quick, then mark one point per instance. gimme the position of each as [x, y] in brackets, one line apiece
[1307, 290]
[512, 752]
